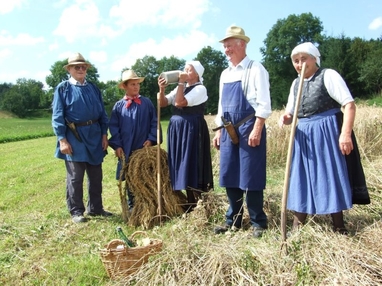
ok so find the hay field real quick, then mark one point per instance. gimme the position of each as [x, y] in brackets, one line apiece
[193, 255]
[39, 245]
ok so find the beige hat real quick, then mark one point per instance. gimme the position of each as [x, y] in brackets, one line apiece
[76, 59]
[127, 75]
[235, 32]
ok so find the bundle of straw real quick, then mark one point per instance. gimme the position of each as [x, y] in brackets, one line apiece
[141, 177]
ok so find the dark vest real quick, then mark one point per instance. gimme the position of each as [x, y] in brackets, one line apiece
[189, 110]
[315, 97]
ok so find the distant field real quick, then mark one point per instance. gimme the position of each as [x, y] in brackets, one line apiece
[16, 129]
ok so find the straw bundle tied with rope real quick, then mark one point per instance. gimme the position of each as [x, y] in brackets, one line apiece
[140, 173]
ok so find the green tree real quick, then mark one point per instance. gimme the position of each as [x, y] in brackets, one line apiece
[23, 97]
[4, 87]
[337, 53]
[371, 71]
[279, 43]
[214, 62]
[111, 93]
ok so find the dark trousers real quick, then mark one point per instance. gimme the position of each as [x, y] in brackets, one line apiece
[130, 199]
[254, 201]
[75, 172]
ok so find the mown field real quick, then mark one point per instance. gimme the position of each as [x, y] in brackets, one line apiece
[39, 245]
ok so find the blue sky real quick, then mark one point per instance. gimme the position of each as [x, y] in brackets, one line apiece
[113, 34]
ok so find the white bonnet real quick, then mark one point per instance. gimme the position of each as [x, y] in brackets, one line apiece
[198, 68]
[307, 48]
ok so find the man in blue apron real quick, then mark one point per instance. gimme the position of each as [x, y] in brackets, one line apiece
[244, 105]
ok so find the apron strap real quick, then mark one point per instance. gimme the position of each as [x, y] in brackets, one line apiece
[246, 77]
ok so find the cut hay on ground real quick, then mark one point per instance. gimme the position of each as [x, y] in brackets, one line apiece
[141, 173]
[193, 255]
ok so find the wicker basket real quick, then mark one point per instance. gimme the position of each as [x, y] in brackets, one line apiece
[121, 261]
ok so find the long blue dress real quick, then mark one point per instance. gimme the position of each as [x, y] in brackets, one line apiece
[319, 182]
[188, 144]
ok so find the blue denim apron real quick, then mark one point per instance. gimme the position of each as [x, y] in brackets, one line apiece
[241, 166]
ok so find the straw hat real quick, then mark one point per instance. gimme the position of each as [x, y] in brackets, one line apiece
[235, 32]
[127, 75]
[76, 59]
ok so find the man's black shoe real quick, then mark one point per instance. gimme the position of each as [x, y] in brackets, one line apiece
[258, 232]
[225, 228]
[103, 213]
[78, 218]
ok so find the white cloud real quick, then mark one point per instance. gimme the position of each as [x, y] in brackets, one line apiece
[100, 57]
[21, 39]
[41, 76]
[376, 23]
[82, 20]
[5, 54]
[13, 76]
[9, 6]
[183, 46]
[53, 47]
[169, 13]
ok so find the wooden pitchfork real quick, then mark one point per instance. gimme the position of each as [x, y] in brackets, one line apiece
[289, 156]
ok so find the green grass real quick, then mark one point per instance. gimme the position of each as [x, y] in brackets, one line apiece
[38, 242]
[15, 129]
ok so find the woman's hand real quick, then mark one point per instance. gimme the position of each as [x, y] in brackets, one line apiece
[285, 119]
[162, 83]
[346, 144]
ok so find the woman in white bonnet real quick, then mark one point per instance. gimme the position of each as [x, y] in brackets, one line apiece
[188, 140]
[326, 172]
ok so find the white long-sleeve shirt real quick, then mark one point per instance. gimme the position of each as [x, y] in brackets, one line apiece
[258, 94]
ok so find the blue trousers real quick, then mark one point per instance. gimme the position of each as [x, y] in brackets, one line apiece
[75, 172]
[254, 201]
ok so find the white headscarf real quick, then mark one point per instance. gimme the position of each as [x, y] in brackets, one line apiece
[198, 68]
[307, 48]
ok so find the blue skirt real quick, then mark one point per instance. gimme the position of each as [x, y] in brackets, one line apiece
[189, 156]
[319, 182]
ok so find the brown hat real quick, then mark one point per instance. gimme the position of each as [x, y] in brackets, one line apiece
[127, 75]
[235, 32]
[76, 59]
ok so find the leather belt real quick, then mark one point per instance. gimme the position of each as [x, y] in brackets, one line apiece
[241, 122]
[89, 122]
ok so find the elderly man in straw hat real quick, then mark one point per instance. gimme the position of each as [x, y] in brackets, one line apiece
[244, 100]
[80, 123]
[133, 122]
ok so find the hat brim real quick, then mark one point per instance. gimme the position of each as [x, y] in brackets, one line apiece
[241, 37]
[121, 84]
[76, 63]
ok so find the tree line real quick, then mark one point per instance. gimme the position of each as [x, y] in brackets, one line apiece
[359, 61]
